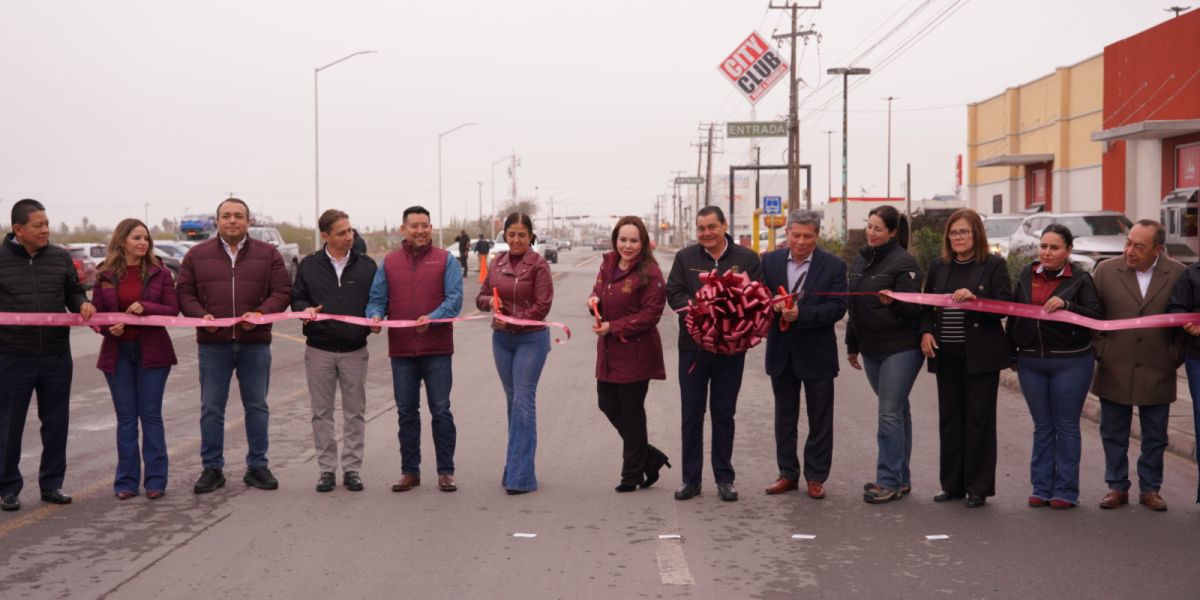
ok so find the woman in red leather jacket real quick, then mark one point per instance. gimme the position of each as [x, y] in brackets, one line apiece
[628, 301]
[519, 285]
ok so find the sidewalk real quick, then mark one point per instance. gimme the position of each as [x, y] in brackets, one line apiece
[1181, 432]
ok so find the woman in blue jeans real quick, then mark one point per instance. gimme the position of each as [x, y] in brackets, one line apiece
[518, 284]
[1054, 363]
[887, 334]
[136, 360]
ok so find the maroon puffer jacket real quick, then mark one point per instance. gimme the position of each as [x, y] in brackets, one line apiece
[158, 298]
[526, 289]
[210, 284]
[632, 350]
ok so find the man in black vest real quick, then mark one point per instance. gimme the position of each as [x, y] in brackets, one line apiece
[35, 277]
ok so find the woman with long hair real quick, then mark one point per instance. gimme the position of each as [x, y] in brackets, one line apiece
[1054, 363]
[887, 335]
[967, 350]
[136, 360]
[518, 284]
[628, 301]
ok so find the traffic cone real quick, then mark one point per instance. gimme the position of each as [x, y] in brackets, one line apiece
[482, 268]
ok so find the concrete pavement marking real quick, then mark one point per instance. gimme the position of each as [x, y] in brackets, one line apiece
[803, 536]
[672, 565]
[524, 535]
[670, 536]
[940, 536]
[93, 488]
[586, 260]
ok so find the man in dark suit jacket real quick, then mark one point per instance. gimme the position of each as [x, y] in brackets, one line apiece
[805, 353]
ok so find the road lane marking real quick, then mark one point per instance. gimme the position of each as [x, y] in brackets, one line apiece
[932, 538]
[803, 536]
[670, 536]
[524, 535]
[672, 565]
[587, 260]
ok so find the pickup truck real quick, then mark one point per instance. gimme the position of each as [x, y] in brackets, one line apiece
[290, 252]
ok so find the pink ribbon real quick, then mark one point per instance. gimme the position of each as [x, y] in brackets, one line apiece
[1030, 311]
[102, 319]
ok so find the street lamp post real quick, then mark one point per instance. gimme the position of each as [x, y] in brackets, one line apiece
[317, 145]
[492, 218]
[846, 72]
[889, 147]
[440, 211]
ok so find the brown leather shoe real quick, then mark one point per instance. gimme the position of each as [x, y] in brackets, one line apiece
[816, 491]
[1114, 499]
[781, 485]
[407, 482]
[1152, 501]
[446, 483]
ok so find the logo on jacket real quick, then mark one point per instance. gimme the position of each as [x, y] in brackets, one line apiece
[628, 287]
[912, 274]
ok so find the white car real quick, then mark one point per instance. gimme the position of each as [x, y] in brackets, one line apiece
[999, 229]
[1099, 235]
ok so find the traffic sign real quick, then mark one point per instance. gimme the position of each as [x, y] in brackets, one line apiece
[756, 129]
[689, 180]
[772, 205]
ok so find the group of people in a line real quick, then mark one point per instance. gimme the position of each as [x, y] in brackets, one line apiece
[233, 275]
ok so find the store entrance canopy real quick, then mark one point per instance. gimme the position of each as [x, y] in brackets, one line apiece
[1014, 160]
[1148, 130]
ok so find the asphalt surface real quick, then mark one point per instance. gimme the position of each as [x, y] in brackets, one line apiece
[587, 541]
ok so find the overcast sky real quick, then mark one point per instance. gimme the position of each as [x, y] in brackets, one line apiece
[107, 106]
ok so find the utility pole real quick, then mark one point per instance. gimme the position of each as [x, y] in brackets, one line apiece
[480, 203]
[828, 164]
[908, 189]
[889, 147]
[793, 118]
[1177, 9]
[708, 177]
[846, 72]
[679, 220]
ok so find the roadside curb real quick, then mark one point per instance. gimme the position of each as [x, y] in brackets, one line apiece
[1181, 442]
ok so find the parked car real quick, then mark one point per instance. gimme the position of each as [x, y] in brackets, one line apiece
[172, 248]
[498, 246]
[548, 249]
[1000, 229]
[1099, 235]
[170, 262]
[564, 244]
[85, 265]
[602, 243]
[290, 252]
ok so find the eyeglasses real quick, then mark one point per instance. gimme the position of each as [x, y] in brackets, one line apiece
[960, 233]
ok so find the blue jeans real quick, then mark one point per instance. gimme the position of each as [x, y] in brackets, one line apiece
[1055, 389]
[519, 361]
[407, 375]
[138, 397]
[892, 378]
[218, 362]
[1192, 365]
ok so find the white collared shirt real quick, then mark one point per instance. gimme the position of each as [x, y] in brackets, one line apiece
[233, 252]
[1144, 277]
[796, 272]
[338, 265]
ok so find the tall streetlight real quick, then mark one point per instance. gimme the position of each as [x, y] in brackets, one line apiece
[828, 163]
[440, 211]
[846, 72]
[492, 218]
[317, 146]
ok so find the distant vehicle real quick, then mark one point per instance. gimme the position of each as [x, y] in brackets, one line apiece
[764, 238]
[1179, 213]
[1099, 235]
[170, 262]
[290, 252]
[172, 248]
[498, 246]
[197, 227]
[548, 249]
[602, 243]
[999, 230]
[564, 244]
[85, 265]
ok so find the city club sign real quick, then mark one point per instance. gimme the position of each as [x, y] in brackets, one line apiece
[753, 67]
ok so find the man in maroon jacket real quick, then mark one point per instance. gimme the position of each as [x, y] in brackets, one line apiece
[228, 276]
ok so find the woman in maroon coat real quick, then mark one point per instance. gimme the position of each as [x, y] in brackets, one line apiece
[628, 301]
[136, 360]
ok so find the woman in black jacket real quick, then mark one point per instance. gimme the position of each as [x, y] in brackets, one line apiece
[887, 334]
[967, 350]
[1054, 362]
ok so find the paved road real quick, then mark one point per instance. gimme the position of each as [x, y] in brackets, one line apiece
[590, 542]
